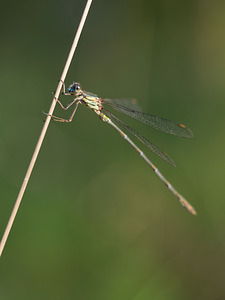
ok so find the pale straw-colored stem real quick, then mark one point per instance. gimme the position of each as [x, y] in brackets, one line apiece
[45, 127]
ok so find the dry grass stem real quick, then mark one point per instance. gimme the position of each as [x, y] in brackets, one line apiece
[44, 129]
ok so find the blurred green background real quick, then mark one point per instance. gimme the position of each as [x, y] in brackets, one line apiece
[95, 222]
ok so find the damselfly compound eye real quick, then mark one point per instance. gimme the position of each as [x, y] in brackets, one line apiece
[74, 88]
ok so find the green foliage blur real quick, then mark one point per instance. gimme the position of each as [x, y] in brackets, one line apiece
[95, 222]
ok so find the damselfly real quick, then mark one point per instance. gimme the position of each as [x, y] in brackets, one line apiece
[127, 107]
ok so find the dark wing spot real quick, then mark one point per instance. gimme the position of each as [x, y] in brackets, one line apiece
[182, 125]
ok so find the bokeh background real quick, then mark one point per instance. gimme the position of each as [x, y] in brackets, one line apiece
[95, 222]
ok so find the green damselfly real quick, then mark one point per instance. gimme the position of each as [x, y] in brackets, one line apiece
[127, 107]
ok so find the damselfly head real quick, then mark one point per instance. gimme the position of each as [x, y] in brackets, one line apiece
[74, 88]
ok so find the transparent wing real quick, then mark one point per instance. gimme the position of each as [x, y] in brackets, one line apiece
[126, 102]
[158, 123]
[148, 144]
[90, 94]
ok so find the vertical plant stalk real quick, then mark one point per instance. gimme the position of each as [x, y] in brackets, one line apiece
[44, 129]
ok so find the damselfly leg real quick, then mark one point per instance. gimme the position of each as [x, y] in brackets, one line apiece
[76, 100]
